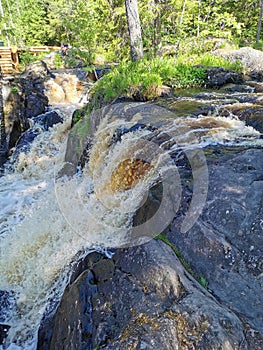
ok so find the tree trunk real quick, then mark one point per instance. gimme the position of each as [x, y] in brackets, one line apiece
[2, 127]
[260, 21]
[133, 19]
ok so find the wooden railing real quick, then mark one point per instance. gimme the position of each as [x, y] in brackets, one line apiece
[9, 56]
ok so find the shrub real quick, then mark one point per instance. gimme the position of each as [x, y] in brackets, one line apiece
[143, 80]
[26, 58]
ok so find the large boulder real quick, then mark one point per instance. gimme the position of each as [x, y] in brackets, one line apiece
[24, 98]
[218, 77]
[250, 59]
[225, 244]
[142, 298]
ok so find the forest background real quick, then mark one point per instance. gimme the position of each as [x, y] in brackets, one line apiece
[100, 27]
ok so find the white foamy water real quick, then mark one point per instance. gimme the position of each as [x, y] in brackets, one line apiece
[35, 242]
[47, 221]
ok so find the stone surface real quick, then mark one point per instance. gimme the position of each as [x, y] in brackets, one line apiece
[24, 99]
[42, 123]
[225, 244]
[217, 77]
[29, 96]
[48, 119]
[142, 298]
[250, 59]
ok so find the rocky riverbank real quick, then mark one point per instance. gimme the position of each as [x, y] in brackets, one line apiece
[33, 93]
[196, 285]
[199, 288]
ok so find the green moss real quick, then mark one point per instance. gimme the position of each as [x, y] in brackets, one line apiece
[14, 90]
[200, 279]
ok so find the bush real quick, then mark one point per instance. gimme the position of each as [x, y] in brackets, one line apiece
[26, 58]
[143, 80]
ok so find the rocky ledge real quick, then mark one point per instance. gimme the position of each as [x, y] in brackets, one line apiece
[194, 289]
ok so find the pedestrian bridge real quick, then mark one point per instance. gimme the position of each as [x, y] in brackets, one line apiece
[9, 56]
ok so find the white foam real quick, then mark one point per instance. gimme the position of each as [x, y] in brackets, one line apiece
[46, 223]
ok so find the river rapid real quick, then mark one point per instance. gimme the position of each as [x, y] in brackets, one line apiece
[49, 220]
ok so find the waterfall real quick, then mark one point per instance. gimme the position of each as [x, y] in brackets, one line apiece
[50, 218]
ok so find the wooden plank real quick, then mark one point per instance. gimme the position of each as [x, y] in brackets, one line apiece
[6, 62]
[9, 56]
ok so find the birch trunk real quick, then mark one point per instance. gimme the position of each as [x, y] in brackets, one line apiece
[260, 21]
[133, 19]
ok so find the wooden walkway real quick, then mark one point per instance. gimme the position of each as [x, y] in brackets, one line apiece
[9, 56]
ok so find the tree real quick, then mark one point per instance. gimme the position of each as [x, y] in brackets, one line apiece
[133, 19]
[260, 21]
[2, 126]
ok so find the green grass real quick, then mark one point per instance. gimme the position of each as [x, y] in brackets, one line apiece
[144, 80]
[207, 60]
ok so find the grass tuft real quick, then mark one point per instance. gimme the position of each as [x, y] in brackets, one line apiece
[144, 80]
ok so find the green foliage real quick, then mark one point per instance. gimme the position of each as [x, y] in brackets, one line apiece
[100, 26]
[26, 58]
[259, 45]
[58, 61]
[209, 60]
[14, 89]
[203, 281]
[163, 238]
[76, 57]
[143, 80]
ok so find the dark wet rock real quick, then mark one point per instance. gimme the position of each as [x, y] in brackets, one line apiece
[243, 88]
[257, 87]
[251, 116]
[6, 300]
[225, 244]
[123, 130]
[41, 123]
[25, 99]
[48, 119]
[217, 77]
[35, 104]
[51, 322]
[25, 140]
[142, 298]
[3, 332]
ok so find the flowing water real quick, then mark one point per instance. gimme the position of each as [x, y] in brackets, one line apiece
[49, 219]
